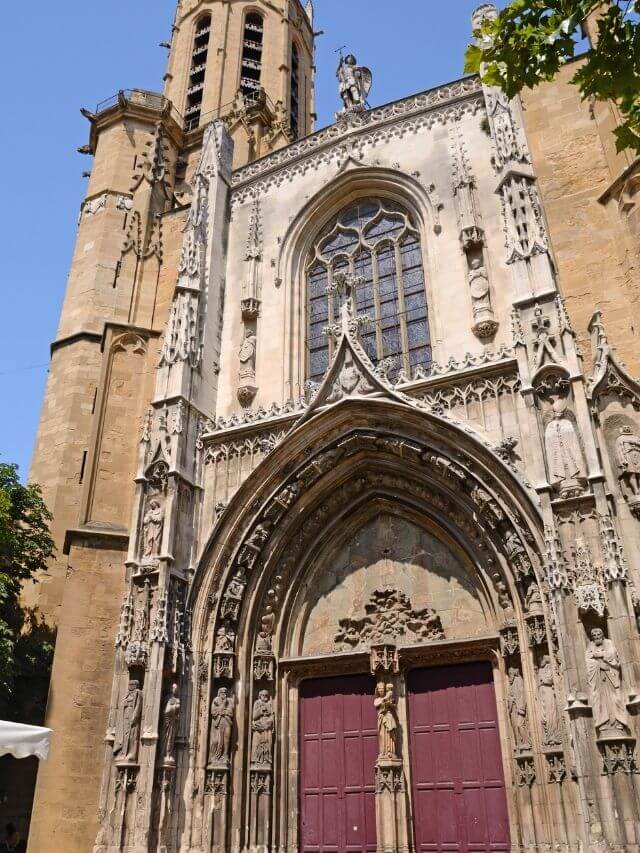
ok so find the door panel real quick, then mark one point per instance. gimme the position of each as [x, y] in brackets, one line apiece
[338, 752]
[459, 797]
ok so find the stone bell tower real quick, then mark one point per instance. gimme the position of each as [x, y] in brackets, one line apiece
[249, 65]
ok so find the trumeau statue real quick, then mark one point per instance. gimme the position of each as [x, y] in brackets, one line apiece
[564, 455]
[221, 726]
[516, 703]
[385, 704]
[354, 84]
[169, 730]
[262, 724]
[605, 682]
[125, 745]
[549, 714]
[153, 523]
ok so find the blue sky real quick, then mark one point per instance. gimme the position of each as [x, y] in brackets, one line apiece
[61, 56]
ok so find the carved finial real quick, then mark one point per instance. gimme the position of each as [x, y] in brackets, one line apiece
[485, 12]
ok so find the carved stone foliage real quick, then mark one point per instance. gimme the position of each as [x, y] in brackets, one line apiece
[525, 772]
[618, 756]
[389, 779]
[586, 579]
[390, 616]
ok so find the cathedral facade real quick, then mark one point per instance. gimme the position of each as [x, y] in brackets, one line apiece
[344, 468]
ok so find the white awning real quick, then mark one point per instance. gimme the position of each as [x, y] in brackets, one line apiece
[21, 741]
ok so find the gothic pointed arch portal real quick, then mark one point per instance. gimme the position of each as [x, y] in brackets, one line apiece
[376, 538]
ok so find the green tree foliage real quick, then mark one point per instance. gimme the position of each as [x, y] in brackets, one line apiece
[531, 40]
[26, 643]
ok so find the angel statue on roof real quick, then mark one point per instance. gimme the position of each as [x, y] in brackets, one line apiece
[354, 84]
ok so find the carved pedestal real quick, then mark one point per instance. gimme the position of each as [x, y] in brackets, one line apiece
[391, 807]
[216, 793]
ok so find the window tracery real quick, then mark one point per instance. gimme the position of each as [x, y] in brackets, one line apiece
[375, 239]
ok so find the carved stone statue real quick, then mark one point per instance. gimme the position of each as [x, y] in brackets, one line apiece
[221, 727]
[385, 704]
[263, 724]
[484, 324]
[605, 683]
[125, 745]
[517, 706]
[549, 714]
[224, 641]
[564, 455]
[248, 355]
[354, 82]
[263, 642]
[534, 599]
[169, 730]
[153, 523]
[628, 461]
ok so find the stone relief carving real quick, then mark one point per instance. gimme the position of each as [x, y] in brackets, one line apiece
[605, 684]
[564, 454]
[517, 707]
[170, 719]
[385, 705]
[354, 84]
[152, 527]
[222, 709]
[223, 653]
[263, 723]
[137, 649]
[390, 616]
[263, 658]
[628, 461]
[127, 734]
[587, 581]
[549, 713]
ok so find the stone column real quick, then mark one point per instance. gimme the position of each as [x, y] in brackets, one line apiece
[392, 823]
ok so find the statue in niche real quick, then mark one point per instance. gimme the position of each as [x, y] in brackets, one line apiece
[263, 642]
[152, 525]
[549, 714]
[605, 683]
[564, 454]
[263, 724]
[517, 707]
[248, 355]
[484, 323]
[221, 726]
[385, 704]
[129, 714]
[628, 461]
[533, 599]
[354, 83]
[169, 730]
[224, 641]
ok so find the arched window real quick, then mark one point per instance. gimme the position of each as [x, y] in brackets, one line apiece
[251, 55]
[195, 88]
[294, 107]
[375, 239]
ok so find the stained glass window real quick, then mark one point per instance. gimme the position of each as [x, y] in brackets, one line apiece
[375, 239]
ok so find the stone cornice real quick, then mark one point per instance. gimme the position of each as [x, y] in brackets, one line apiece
[423, 109]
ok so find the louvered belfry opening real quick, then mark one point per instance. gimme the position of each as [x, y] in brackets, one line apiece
[251, 65]
[195, 89]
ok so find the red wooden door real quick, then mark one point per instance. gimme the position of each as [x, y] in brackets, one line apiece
[459, 799]
[338, 751]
